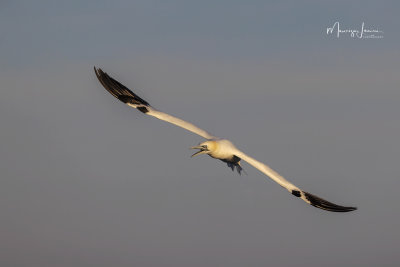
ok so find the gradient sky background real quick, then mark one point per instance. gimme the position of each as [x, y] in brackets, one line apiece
[87, 181]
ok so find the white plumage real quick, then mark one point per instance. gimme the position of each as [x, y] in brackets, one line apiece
[215, 147]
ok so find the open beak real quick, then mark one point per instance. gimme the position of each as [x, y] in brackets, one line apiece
[201, 151]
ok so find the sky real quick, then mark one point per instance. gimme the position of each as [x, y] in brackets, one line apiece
[87, 181]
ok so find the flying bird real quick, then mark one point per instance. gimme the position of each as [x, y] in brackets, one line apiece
[215, 147]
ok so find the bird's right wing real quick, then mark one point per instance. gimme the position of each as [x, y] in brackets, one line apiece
[307, 197]
[131, 99]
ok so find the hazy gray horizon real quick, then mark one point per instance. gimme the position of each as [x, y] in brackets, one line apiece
[88, 181]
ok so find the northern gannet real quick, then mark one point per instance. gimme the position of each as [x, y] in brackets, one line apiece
[215, 147]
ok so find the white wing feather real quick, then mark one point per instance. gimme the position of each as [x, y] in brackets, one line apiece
[131, 99]
[178, 122]
[307, 197]
[267, 171]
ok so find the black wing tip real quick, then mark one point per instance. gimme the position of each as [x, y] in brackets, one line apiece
[117, 89]
[98, 72]
[326, 205]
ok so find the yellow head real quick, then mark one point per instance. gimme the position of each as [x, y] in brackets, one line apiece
[206, 147]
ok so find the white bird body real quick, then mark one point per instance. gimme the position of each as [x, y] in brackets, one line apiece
[222, 149]
[215, 147]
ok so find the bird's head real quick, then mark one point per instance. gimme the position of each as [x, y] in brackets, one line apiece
[206, 147]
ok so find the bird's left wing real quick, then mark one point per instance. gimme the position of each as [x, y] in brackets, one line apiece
[307, 197]
[131, 99]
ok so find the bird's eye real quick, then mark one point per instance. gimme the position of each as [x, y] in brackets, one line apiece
[204, 146]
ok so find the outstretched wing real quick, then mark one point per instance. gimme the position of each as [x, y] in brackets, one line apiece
[131, 99]
[307, 197]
